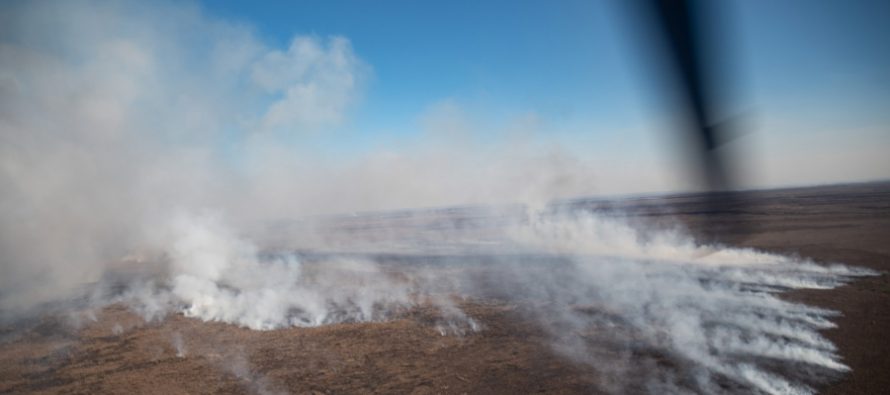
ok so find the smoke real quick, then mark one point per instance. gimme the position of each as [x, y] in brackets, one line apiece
[179, 345]
[222, 278]
[151, 155]
[655, 306]
[710, 310]
[238, 365]
[117, 116]
[211, 274]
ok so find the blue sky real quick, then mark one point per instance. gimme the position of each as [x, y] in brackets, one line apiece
[570, 58]
[810, 81]
[575, 66]
[501, 59]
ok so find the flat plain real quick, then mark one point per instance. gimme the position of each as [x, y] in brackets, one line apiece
[119, 352]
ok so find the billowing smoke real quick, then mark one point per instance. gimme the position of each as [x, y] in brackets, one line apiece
[115, 117]
[151, 156]
[624, 296]
[629, 303]
[212, 274]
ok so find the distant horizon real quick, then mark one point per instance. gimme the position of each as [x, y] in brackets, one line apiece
[604, 198]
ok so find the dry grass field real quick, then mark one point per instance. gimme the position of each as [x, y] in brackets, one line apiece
[119, 352]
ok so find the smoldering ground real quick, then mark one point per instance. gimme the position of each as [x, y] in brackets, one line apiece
[650, 311]
[121, 187]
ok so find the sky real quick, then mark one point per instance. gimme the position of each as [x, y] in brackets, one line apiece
[810, 78]
[417, 104]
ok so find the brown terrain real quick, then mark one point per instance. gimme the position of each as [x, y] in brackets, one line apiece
[121, 353]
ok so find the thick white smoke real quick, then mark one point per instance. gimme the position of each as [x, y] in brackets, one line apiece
[714, 310]
[209, 272]
[220, 277]
[609, 295]
[116, 116]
